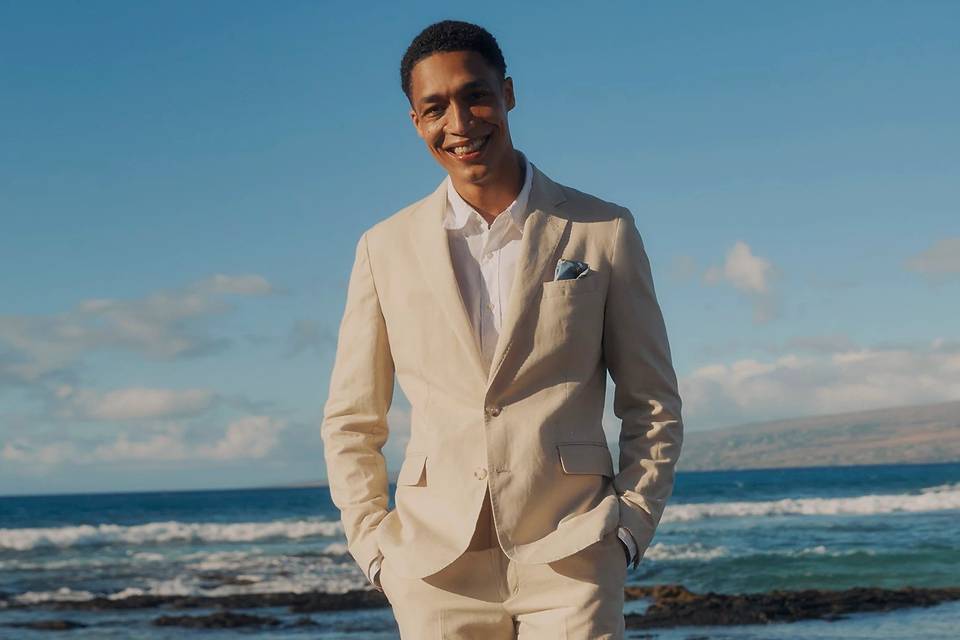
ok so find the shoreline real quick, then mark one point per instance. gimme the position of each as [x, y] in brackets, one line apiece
[669, 606]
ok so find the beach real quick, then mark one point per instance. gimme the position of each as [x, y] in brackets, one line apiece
[828, 552]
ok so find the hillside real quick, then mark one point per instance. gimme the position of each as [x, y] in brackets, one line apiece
[926, 433]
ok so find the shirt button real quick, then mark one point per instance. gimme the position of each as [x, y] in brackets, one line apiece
[493, 411]
[480, 473]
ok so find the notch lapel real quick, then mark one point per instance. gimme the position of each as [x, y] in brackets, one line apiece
[542, 231]
[433, 253]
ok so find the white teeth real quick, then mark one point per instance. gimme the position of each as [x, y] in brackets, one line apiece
[469, 148]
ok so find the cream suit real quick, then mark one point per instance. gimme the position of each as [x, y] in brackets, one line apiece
[529, 428]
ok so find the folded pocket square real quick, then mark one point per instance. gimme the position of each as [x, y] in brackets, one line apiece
[570, 269]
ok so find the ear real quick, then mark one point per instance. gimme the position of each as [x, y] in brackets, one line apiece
[508, 94]
[416, 122]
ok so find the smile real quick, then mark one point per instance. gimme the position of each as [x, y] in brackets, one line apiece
[470, 150]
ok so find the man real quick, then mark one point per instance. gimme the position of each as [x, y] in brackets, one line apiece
[499, 301]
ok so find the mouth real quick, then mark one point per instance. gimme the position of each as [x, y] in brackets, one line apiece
[469, 151]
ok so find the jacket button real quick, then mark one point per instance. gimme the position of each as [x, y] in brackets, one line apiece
[493, 411]
[480, 473]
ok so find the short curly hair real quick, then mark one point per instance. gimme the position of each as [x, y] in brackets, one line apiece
[450, 35]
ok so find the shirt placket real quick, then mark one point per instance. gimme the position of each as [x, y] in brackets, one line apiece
[491, 266]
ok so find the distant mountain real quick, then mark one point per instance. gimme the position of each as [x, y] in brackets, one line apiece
[925, 433]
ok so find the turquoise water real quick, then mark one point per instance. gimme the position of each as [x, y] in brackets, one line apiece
[734, 531]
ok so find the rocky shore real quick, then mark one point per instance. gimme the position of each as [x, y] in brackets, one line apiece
[670, 606]
[675, 606]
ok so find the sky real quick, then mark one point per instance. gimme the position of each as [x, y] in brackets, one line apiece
[182, 186]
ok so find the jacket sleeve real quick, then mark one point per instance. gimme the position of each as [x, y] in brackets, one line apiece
[646, 399]
[354, 427]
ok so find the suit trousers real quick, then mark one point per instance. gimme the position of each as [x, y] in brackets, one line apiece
[484, 595]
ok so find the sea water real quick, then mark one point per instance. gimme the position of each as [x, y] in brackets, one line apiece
[725, 531]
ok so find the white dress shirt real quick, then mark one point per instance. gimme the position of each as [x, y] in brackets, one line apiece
[484, 260]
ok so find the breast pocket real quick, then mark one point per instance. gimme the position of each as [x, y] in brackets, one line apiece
[589, 283]
[574, 306]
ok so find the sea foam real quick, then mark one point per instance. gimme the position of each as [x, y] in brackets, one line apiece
[937, 498]
[164, 532]
[940, 498]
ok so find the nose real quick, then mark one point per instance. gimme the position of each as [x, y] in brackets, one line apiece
[460, 117]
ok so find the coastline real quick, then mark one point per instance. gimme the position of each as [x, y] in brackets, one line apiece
[667, 606]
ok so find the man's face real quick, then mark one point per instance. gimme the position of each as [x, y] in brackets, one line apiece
[458, 102]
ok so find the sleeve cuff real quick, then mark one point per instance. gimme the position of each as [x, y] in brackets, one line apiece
[624, 534]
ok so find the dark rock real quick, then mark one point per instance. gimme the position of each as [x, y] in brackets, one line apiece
[305, 621]
[48, 625]
[675, 606]
[212, 579]
[671, 605]
[219, 620]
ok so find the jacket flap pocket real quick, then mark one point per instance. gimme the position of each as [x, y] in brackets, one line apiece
[586, 458]
[411, 471]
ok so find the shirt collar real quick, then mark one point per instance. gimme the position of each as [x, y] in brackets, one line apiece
[458, 212]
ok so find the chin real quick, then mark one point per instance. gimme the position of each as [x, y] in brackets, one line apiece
[476, 174]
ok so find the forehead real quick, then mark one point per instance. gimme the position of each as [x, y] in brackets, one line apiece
[446, 71]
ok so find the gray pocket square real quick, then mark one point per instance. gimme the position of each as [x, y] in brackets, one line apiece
[570, 269]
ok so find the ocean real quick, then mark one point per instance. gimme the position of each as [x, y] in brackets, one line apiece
[727, 532]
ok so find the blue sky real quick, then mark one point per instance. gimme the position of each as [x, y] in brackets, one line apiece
[182, 186]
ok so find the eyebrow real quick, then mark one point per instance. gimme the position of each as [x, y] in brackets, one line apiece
[436, 97]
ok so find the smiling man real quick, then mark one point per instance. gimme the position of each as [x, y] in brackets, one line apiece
[459, 107]
[499, 302]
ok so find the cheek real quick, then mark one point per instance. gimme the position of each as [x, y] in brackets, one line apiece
[490, 114]
[433, 132]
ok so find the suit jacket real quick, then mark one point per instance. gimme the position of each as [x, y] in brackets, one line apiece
[530, 428]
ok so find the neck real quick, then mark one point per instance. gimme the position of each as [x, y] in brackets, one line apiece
[491, 199]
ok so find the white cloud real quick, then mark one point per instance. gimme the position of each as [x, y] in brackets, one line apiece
[941, 259]
[165, 445]
[251, 437]
[164, 325]
[795, 385]
[745, 271]
[136, 403]
[750, 275]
